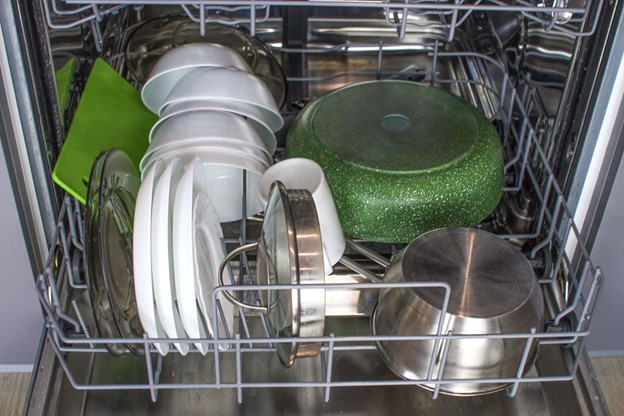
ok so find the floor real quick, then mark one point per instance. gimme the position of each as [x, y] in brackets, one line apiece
[609, 370]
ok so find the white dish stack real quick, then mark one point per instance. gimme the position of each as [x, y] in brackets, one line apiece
[216, 126]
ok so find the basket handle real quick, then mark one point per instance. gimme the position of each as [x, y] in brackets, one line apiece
[226, 260]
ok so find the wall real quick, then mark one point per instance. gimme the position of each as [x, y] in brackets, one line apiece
[607, 336]
[21, 320]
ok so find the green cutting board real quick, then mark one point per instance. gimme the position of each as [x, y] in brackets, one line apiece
[63, 83]
[110, 115]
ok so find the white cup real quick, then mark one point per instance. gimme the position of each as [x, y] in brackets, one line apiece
[300, 173]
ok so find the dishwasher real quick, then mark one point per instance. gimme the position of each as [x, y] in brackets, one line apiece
[546, 74]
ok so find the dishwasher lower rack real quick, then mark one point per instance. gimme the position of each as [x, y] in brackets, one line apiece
[348, 342]
[546, 234]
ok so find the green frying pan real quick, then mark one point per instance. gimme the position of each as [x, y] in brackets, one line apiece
[401, 158]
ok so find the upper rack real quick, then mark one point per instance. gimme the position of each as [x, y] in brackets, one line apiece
[576, 18]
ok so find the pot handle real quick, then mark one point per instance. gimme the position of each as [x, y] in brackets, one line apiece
[223, 265]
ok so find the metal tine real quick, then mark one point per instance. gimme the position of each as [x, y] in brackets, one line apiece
[151, 378]
[522, 365]
[239, 371]
[440, 375]
[330, 362]
[71, 216]
[56, 302]
[83, 324]
[577, 295]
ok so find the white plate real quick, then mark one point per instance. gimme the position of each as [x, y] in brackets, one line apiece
[162, 250]
[143, 258]
[209, 254]
[224, 176]
[185, 251]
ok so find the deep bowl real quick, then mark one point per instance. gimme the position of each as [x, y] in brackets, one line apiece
[177, 62]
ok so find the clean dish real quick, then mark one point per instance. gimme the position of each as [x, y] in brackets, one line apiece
[266, 136]
[300, 173]
[237, 151]
[224, 176]
[142, 254]
[185, 252]
[180, 61]
[256, 53]
[209, 252]
[109, 237]
[401, 158]
[228, 85]
[153, 38]
[162, 253]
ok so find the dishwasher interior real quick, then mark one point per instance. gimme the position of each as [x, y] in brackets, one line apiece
[511, 60]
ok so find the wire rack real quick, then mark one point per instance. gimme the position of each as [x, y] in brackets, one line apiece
[551, 241]
[567, 16]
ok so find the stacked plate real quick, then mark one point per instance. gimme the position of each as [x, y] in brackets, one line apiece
[213, 141]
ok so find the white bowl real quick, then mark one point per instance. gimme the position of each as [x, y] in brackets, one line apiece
[228, 85]
[205, 126]
[182, 60]
[223, 172]
[252, 116]
[208, 146]
[300, 173]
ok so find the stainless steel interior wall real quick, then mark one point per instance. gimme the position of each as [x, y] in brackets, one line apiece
[608, 252]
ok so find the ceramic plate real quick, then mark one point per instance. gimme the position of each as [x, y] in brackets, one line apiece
[143, 286]
[209, 253]
[185, 253]
[162, 253]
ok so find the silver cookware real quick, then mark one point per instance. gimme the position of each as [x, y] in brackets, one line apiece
[289, 252]
[492, 291]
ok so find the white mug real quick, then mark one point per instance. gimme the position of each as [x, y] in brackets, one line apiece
[300, 173]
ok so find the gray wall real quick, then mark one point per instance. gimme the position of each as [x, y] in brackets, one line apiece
[607, 335]
[21, 320]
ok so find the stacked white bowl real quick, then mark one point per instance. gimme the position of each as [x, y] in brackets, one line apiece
[213, 141]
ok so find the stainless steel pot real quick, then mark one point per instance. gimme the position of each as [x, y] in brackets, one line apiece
[492, 291]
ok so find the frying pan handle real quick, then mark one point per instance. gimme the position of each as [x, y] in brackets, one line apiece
[236, 252]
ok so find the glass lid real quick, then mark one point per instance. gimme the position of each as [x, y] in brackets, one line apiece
[109, 241]
[277, 244]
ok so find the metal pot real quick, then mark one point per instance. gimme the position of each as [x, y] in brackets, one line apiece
[492, 291]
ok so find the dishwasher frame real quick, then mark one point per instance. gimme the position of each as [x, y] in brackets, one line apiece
[553, 211]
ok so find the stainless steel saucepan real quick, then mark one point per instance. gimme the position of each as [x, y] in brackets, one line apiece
[492, 291]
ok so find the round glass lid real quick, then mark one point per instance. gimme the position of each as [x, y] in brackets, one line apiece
[278, 245]
[109, 237]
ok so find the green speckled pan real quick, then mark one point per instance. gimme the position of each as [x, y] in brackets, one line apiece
[401, 158]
